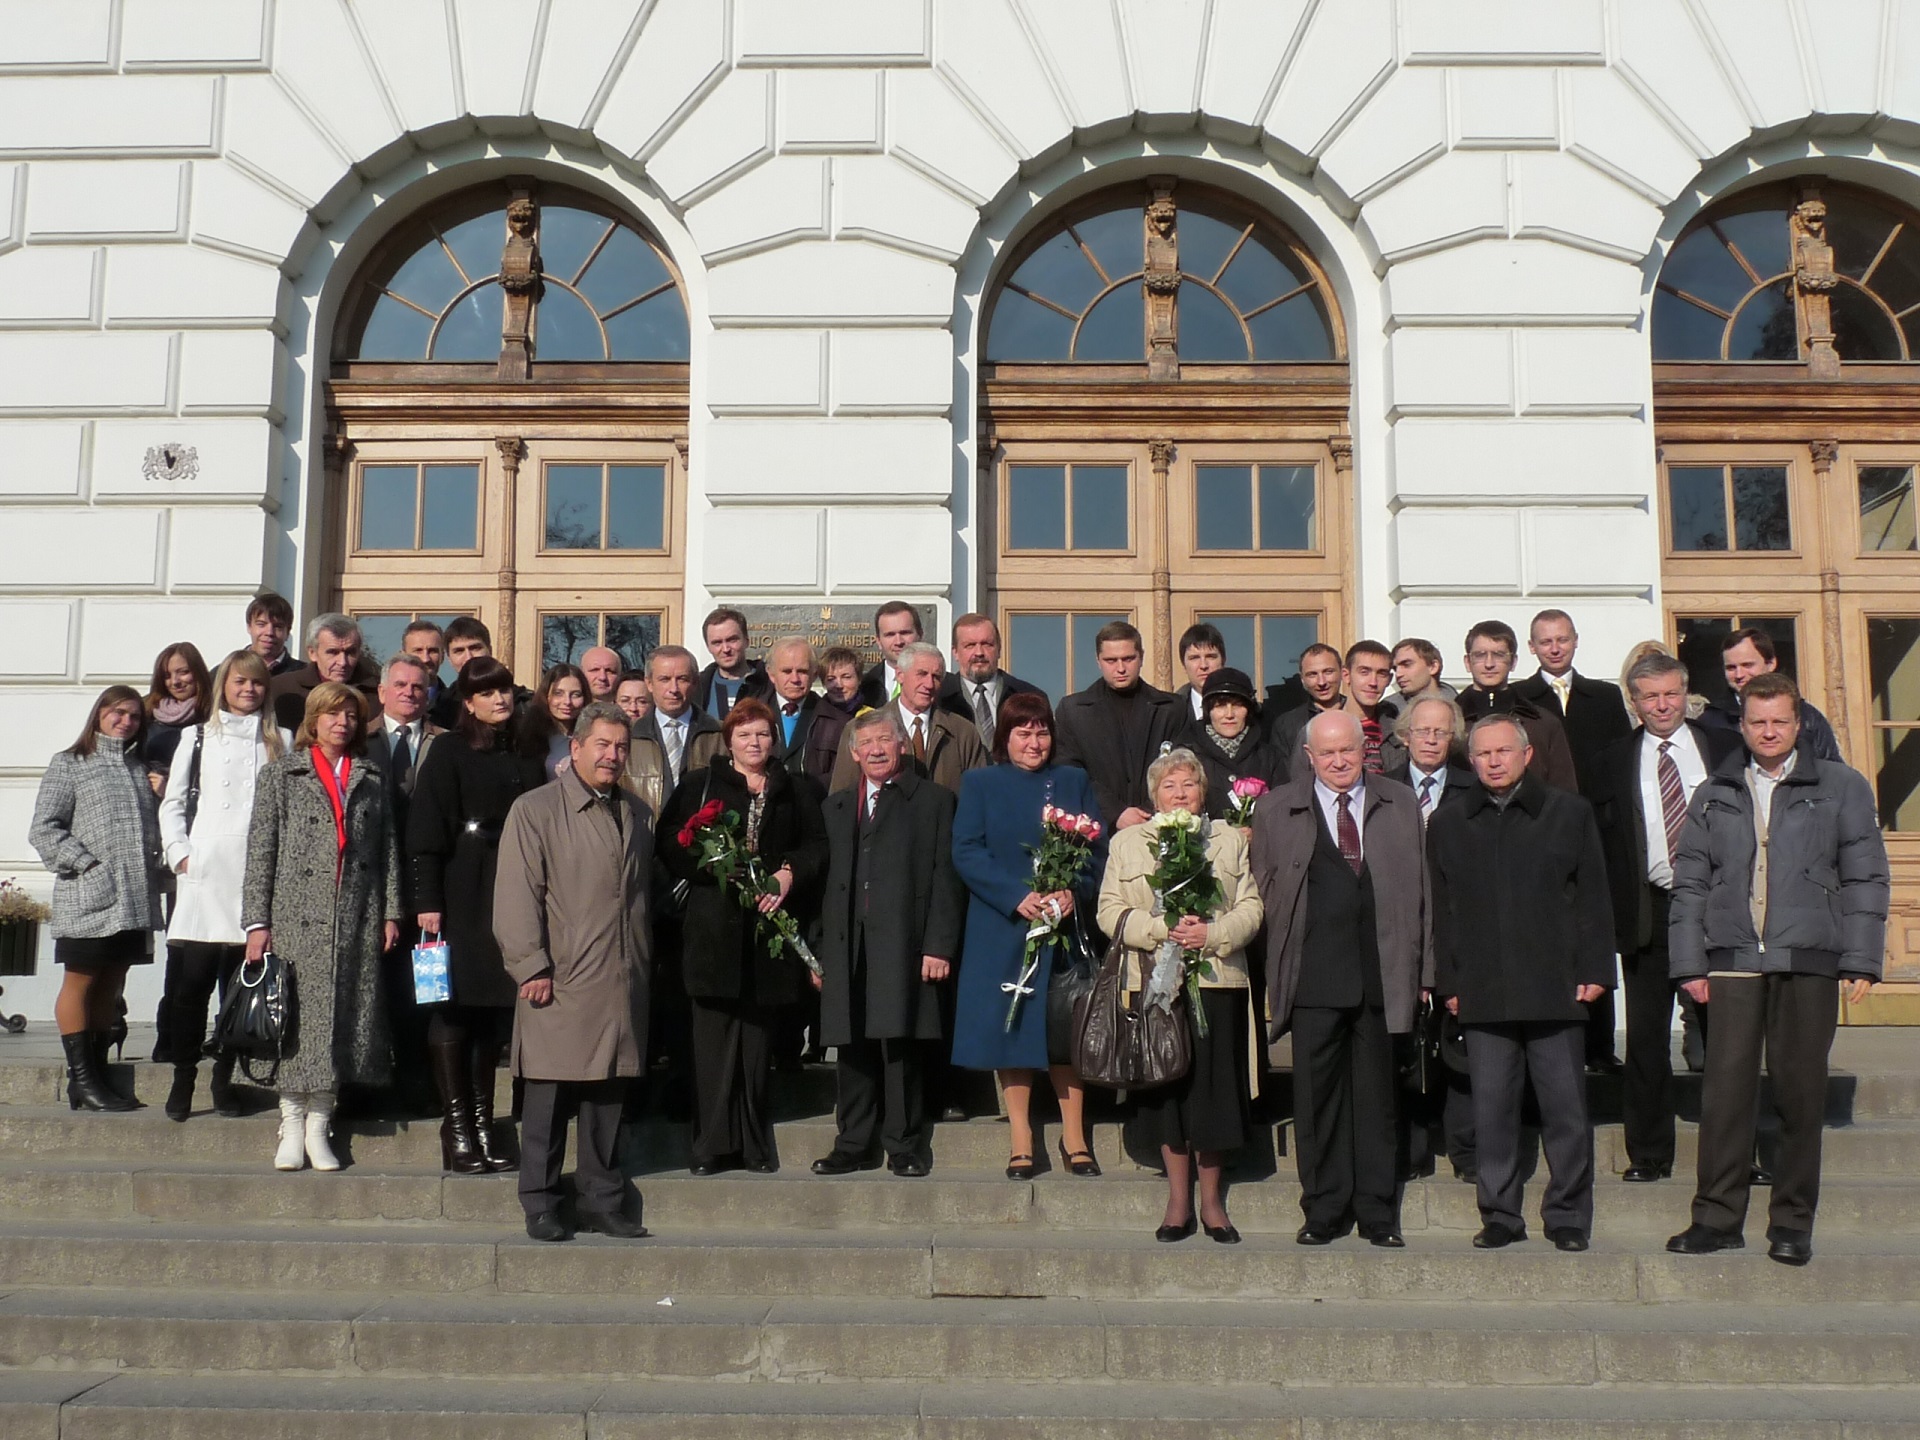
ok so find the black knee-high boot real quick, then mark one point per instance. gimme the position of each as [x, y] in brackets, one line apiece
[486, 1064]
[85, 1089]
[452, 1073]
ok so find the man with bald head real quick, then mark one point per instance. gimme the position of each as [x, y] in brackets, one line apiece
[602, 668]
[1337, 857]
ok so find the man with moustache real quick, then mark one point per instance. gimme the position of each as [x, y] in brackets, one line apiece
[977, 687]
[941, 745]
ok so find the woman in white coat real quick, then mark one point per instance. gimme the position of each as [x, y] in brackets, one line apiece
[203, 829]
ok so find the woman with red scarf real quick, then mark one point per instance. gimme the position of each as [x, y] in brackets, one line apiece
[323, 892]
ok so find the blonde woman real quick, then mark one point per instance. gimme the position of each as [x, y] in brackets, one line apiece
[1207, 1112]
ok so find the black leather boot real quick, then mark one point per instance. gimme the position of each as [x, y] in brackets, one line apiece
[486, 1062]
[459, 1150]
[180, 1095]
[220, 1087]
[99, 1042]
[85, 1090]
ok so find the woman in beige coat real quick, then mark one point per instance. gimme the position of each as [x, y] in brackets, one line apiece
[1206, 1112]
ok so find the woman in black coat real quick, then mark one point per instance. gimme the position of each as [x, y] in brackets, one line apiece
[737, 986]
[1231, 742]
[465, 786]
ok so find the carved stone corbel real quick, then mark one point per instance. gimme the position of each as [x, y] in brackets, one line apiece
[520, 278]
[1814, 281]
[1162, 281]
[1342, 448]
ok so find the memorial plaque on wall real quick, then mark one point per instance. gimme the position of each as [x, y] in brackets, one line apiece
[823, 626]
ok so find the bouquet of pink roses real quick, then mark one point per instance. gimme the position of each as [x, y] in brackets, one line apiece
[1240, 799]
[1066, 845]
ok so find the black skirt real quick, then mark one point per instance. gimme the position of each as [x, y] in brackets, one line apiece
[91, 954]
[1207, 1108]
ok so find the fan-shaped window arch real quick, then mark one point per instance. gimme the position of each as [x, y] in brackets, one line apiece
[1792, 273]
[554, 275]
[1126, 278]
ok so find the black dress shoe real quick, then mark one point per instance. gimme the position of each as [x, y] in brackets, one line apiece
[1643, 1174]
[1079, 1162]
[612, 1222]
[1498, 1237]
[1606, 1065]
[1759, 1175]
[1311, 1234]
[909, 1167]
[952, 1114]
[545, 1226]
[1705, 1240]
[1222, 1234]
[764, 1167]
[843, 1162]
[713, 1166]
[1790, 1247]
[1568, 1238]
[1021, 1167]
[1168, 1234]
[1385, 1236]
[1467, 1174]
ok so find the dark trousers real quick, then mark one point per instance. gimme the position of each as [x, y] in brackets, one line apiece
[1792, 1017]
[1647, 1085]
[545, 1108]
[412, 1084]
[1600, 1026]
[1343, 1110]
[195, 969]
[732, 1064]
[882, 1097]
[1502, 1059]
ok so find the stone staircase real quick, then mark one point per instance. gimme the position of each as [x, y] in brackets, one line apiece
[159, 1280]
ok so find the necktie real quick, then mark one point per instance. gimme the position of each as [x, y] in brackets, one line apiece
[919, 739]
[402, 753]
[1562, 687]
[983, 715]
[1673, 799]
[1426, 799]
[1348, 834]
[790, 707]
[670, 738]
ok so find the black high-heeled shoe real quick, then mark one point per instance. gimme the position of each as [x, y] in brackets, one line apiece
[1169, 1234]
[1021, 1167]
[1078, 1162]
[1222, 1234]
[117, 1033]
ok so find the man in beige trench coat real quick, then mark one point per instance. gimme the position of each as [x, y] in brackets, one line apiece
[570, 912]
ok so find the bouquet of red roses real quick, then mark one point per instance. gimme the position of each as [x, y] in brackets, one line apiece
[713, 834]
[1066, 845]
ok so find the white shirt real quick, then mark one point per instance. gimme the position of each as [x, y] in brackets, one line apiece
[870, 797]
[1693, 771]
[1330, 808]
[971, 690]
[1763, 784]
[673, 737]
[1193, 694]
[414, 730]
[1562, 685]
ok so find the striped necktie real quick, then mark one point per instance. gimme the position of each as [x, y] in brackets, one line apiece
[1673, 799]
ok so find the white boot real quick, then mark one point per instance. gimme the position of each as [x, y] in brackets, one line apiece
[319, 1119]
[292, 1154]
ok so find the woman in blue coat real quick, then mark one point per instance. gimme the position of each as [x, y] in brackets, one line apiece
[994, 834]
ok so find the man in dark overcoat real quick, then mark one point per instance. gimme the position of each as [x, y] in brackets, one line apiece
[1523, 942]
[1336, 854]
[891, 927]
[1114, 729]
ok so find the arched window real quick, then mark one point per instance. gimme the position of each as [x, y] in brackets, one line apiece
[508, 411]
[1164, 430]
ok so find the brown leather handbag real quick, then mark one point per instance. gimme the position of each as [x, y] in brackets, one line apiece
[1122, 1045]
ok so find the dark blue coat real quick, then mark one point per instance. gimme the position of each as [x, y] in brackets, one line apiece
[998, 819]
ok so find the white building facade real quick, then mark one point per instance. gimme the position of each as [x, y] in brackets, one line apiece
[204, 202]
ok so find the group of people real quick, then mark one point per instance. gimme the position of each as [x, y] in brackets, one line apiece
[698, 872]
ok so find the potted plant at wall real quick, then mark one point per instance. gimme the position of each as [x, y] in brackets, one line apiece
[20, 918]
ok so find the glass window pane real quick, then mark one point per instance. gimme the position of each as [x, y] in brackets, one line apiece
[395, 332]
[471, 329]
[1206, 242]
[1856, 230]
[1764, 328]
[380, 635]
[447, 673]
[1697, 502]
[573, 507]
[1037, 651]
[1223, 507]
[1784, 633]
[1297, 332]
[1209, 331]
[1036, 507]
[387, 506]
[428, 278]
[1897, 280]
[450, 507]
[567, 237]
[1700, 638]
[1701, 265]
[1084, 664]
[1258, 274]
[1287, 507]
[1893, 661]
[477, 243]
[626, 267]
[1762, 237]
[1897, 777]
[564, 329]
[565, 638]
[655, 329]
[1023, 329]
[636, 508]
[1060, 271]
[1118, 239]
[1886, 507]
[1099, 507]
[1861, 329]
[1238, 631]
[633, 637]
[1684, 331]
[1116, 328]
[1760, 508]
[1282, 640]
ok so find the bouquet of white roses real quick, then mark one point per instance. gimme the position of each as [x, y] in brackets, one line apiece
[1183, 884]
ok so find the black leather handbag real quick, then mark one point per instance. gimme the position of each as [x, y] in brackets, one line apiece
[256, 1024]
[1076, 965]
[1127, 1046]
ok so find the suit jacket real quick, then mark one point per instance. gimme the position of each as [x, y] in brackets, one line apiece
[912, 903]
[647, 774]
[1461, 782]
[873, 686]
[1595, 717]
[1286, 727]
[816, 737]
[1084, 736]
[954, 701]
[953, 748]
[755, 687]
[1286, 827]
[400, 787]
[1552, 755]
[287, 694]
[1622, 816]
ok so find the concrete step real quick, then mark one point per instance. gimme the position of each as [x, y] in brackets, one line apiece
[145, 1406]
[906, 1263]
[1129, 1199]
[1148, 1342]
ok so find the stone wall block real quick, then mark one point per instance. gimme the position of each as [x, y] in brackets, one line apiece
[1846, 36]
[220, 547]
[1523, 459]
[1615, 129]
[82, 548]
[1460, 196]
[42, 458]
[1348, 50]
[39, 722]
[936, 131]
[878, 198]
[183, 285]
[875, 548]
[1902, 97]
[785, 199]
[231, 372]
[1451, 370]
[496, 40]
[318, 55]
[415, 55]
[1585, 371]
[893, 370]
[273, 136]
[1085, 43]
[778, 32]
[1250, 40]
[1401, 126]
[731, 129]
[848, 281]
[1522, 279]
[74, 114]
[1561, 196]
[106, 199]
[1587, 547]
[1506, 107]
[36, 641]
[681, 50]
[832, 110]
[1567, 31]
[1758, 37]
[763, 549]
[233, 211]
[233, 460]
[1665, 52]
[1430, 539]
[749, 460]
[1166, 45]
[767, 371]
[72, 35]
[119, 638]
[981, 46]
[582, 39]
[45, 286]
[194, 34]
[83, 373]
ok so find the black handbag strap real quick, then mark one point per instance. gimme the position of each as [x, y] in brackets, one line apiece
[193, 775]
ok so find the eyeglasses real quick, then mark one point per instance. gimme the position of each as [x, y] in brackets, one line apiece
[1488, 657]
[1427, 732]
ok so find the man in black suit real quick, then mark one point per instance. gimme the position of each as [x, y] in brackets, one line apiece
[977, 687]
[730, 677]
[808, 735]
[1321, 668]
[1115, 727]
[890, 932]
[1491, 648]
[1202, 650]
[1594, 717]
[1642, 784]
[896, 625]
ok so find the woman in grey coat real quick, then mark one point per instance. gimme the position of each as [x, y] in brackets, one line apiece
[96, 828]
[323, 892]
